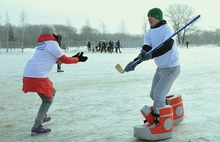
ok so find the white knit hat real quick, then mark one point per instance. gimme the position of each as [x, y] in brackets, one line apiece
[47, 29]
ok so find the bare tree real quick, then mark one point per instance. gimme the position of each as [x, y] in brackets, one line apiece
[68, 31]
[7, 25]
[122, 27]
[0, 19]
[103, 27]
[23, 19]
[144, 24]
[123, 30]
[87, 31]
[11, 36]
[179, 15]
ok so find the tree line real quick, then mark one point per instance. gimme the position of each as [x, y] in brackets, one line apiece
[25, 35]
[13, 38]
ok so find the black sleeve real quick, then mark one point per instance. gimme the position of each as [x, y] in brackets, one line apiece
[147, 48]
[163, 49]
[135, 59]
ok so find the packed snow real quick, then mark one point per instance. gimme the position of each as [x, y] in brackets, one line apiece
[95, 103]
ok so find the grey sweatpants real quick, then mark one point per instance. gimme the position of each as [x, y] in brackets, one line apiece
[161, 84]
[45, 105]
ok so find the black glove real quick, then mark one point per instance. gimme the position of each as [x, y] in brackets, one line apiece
[76, 54]
[129, 67]
[141, 55]
[80, 56]
[58, 38]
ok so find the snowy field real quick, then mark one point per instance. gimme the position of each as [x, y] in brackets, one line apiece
[95, 103]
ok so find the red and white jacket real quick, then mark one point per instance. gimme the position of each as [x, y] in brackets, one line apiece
[35, 76]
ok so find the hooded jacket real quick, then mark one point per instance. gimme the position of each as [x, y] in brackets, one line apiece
[35, 76]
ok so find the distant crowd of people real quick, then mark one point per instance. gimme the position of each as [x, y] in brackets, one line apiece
[104, 46]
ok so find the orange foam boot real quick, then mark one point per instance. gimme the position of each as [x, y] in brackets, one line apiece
[147, 113]
[178, 110]
[163, 130]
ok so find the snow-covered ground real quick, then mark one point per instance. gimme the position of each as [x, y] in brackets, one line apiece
[95, 103]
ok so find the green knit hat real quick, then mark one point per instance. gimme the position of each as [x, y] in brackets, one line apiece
[157, 13]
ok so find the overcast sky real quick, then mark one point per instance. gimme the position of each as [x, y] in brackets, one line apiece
[111, 12]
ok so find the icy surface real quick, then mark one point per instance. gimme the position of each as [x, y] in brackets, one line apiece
[95, 103]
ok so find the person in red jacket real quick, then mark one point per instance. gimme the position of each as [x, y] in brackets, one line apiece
[35, 75]
[59, 39]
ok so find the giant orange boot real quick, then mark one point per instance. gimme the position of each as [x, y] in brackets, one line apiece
[178, 110]
[162, 127]
[148, 115]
